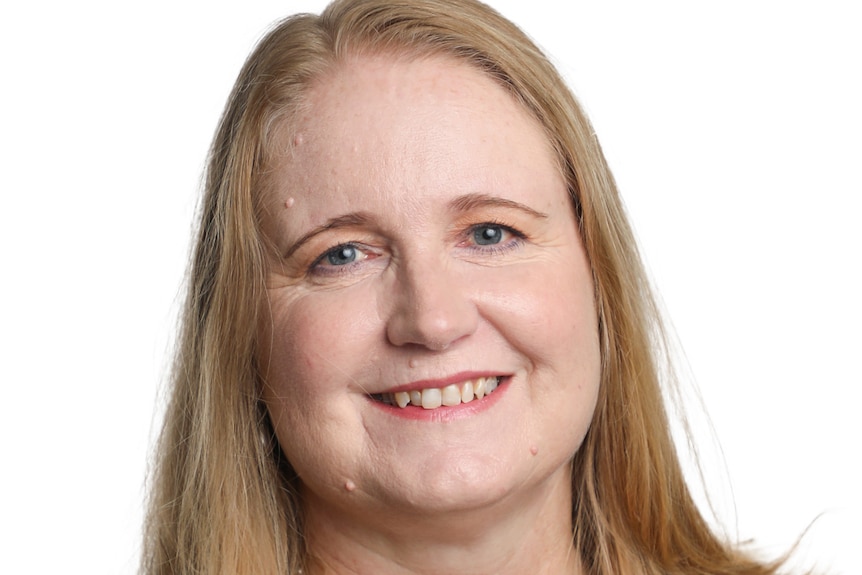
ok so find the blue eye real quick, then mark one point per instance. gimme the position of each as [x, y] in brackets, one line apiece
[486, 235]
[346, 258]
[342, 255]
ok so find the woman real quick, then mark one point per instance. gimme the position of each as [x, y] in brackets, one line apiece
[418, 338]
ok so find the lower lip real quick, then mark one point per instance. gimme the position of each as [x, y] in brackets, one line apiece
[446, 413]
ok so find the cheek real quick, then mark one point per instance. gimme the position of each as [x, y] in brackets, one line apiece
[565, 352]
[311, 364]
[315, 349]
[547, 313]
[550, 309]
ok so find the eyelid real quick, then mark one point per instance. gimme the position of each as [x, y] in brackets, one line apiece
[494, 223]
[343, 222]
[319, 268]
[516, 240]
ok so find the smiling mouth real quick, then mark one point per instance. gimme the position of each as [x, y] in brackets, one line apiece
[450, 395]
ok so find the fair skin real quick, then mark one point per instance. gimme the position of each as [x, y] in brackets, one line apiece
[424, 238]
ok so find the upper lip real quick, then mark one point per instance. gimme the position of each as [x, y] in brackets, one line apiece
[456, 378]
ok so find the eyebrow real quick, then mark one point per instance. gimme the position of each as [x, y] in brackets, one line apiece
[469, 202]
[463, 203]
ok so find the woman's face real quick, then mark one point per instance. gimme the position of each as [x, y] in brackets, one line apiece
[426, 248]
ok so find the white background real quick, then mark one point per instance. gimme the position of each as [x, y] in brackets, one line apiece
[735, 133]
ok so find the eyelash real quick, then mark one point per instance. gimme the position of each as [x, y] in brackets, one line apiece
[517, 238]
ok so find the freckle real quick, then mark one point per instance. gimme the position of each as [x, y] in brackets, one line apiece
[289, 203]
[349, 486]
[534, 450]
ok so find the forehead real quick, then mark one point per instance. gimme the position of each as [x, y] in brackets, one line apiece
[379, 106]
[374, 122]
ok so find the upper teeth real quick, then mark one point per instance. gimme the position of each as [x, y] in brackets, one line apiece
[454, 394]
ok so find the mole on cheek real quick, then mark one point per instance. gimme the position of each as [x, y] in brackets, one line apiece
[289, 203]
[534, 450]
[349, 485]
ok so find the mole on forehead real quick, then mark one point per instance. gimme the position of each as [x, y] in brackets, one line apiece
[289, 202]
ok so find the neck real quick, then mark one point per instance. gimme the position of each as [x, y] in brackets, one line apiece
[532, 534]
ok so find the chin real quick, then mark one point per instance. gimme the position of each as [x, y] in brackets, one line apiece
[461, 481]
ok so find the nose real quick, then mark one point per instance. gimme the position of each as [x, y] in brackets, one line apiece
[432, 307]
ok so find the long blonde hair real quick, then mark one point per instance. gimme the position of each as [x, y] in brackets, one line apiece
[223, 497]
